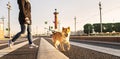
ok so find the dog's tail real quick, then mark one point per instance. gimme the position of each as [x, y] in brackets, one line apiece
[53, 32]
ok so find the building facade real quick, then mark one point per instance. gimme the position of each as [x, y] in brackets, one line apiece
[1, 30]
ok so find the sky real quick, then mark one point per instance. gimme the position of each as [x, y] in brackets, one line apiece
[85, 11]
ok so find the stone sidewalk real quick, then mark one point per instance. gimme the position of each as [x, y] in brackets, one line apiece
[19, 51]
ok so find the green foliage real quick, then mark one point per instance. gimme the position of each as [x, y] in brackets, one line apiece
[7, 29]
[46, 22]
[88, 28]
[106, 27]
[50, 27]
[117, 27]
[96, 27]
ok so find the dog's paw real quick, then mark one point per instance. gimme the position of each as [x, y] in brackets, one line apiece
[63, 50]
[68, 49]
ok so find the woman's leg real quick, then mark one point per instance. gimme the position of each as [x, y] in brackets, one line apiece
[29, 34]
[19, 33]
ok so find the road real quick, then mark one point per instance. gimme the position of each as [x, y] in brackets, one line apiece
[113, 45]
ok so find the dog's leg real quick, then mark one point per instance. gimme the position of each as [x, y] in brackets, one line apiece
[62, 46]
[55, 45]
[68, 46]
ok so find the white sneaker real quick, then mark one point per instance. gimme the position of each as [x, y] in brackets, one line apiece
[10, 44]
[33, 45]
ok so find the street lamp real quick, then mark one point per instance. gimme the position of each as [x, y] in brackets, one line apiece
[75, 23]
[9, 7]
[100, 16]
[46, 27]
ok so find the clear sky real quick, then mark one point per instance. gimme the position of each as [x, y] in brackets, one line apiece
[86, 11]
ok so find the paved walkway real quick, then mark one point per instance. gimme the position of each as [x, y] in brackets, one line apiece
[111, 51]
[21, 50]
[47, 51]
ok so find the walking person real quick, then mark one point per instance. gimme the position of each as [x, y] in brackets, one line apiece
[25, 22]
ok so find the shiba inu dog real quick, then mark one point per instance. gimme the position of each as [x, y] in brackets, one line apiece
[61, 38]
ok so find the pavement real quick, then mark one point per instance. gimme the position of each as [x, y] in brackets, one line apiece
[21, 50]
[111, 51]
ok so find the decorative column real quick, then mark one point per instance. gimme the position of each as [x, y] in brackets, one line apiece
[56, 19]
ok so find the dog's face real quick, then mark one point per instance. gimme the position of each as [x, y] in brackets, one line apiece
[66, 31]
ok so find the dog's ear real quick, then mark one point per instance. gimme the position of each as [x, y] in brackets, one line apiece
[62, 28]
[68, 27]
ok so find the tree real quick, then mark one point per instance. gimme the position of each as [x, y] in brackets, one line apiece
[117, 27]
[107, 27]
[87, 28]
[97, 27]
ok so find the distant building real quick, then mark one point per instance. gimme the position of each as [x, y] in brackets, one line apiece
[80, 32]
[1, 30]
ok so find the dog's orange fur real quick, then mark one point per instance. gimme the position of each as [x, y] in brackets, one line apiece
[61, 38]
